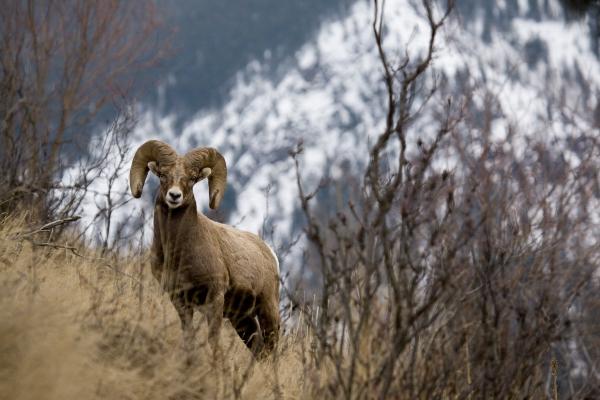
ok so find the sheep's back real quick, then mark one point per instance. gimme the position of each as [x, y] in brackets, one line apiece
[249, 260]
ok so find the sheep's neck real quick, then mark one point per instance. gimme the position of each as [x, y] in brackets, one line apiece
[179, 220]
[177, 226]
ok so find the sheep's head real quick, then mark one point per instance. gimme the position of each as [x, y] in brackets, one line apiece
[178, 174]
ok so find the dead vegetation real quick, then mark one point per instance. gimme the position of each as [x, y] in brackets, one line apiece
[65, 67]
[79, 326]
[464, 266]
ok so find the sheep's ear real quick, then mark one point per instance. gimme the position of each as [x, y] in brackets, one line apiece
[205, 173]
[153, 167]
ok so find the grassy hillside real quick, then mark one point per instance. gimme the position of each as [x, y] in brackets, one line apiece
[74, 327]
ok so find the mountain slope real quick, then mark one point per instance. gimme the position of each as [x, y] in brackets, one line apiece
[329, 96]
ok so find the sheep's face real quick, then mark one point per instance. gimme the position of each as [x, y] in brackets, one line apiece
[177, 182]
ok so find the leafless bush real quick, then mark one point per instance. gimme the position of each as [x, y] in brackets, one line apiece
[461, 268]
[96, 184]
[63, 64]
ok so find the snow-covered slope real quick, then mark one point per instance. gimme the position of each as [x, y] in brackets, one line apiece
[329, 96]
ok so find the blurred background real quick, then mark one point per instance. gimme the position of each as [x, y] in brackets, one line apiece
[254, 79]
[211, 42]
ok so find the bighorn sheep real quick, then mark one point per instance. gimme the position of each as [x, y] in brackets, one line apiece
[230, 273]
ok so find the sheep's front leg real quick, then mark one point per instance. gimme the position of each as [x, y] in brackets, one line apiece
[214, 317]
[186, 316]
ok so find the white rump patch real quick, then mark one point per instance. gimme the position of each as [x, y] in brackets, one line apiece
[275, 257]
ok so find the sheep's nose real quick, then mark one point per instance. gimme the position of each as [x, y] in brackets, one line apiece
[174, 195]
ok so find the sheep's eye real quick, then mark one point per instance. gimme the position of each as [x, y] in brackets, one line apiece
[162, 177]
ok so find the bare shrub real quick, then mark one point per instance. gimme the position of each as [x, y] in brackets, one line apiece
[458, 270]
[64, 63]
[93, 183]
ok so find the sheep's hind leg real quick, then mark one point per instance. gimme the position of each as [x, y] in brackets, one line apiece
[248, 330]
[268, 318]
[240, 308]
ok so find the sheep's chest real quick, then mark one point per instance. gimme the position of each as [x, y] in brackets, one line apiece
[184, 267]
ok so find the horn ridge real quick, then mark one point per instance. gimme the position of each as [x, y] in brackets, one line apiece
[208, 157]
[152, 150]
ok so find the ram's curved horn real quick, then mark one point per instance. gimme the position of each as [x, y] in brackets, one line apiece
[207, 157]
[152, 150]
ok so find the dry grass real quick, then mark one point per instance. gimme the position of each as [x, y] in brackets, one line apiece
[75, 328]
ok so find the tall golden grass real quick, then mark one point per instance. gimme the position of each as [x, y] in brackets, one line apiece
[80, 327]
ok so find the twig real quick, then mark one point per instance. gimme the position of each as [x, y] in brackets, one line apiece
[74, 250]
[47, 227]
